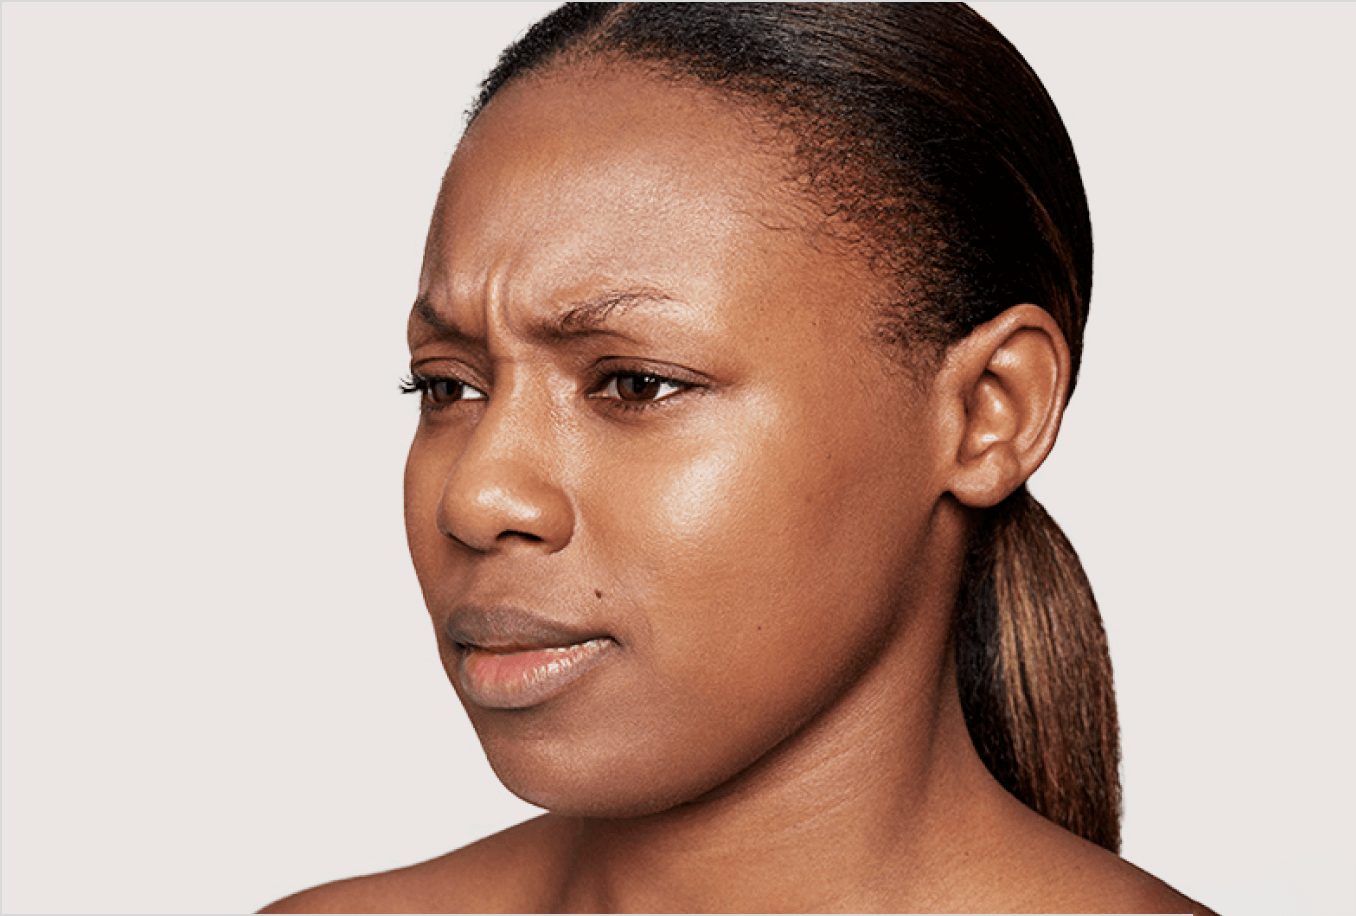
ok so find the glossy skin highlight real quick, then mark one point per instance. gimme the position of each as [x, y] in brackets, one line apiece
[746, 533]
[657, 436]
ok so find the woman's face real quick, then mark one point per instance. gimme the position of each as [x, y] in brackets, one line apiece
[666, 502]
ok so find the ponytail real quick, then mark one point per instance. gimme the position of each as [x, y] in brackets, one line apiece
[1034, 672]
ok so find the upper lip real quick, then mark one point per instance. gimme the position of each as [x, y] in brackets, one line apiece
[504, 628]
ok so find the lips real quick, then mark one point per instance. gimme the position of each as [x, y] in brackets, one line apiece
[513, 659]
[523, 678]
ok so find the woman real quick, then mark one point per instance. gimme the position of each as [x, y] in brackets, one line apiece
[740, 330]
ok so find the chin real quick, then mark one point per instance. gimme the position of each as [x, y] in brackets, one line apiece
[605, 779]
[582, 785]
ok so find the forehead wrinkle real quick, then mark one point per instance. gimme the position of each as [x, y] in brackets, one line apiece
[582, 318]
[490, 307]
[495, 300]
[425, 314]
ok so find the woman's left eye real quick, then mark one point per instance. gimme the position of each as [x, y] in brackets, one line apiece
[639, 387]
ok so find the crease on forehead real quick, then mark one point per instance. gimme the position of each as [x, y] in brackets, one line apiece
[757, 188]
[581, 318]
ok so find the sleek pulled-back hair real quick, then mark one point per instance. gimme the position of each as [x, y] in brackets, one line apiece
[930, 145]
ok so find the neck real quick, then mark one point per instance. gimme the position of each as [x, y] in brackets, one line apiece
[865, 808]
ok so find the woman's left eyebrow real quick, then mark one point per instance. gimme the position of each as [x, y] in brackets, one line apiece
[584, 318]
[590, 315]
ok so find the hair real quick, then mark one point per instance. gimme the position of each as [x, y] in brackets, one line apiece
[932, 147]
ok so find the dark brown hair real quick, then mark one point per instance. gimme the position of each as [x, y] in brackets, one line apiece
[928, 142]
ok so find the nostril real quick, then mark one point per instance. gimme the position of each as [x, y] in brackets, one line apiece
[524, 535]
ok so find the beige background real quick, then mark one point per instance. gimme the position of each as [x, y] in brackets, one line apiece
[218, 685]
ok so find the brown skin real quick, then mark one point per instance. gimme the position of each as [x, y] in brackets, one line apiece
[769, 540]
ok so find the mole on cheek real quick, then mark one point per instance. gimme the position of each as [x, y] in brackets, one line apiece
[597, 594]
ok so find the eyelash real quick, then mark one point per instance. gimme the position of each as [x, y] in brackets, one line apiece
[611, 382]
[424, 386]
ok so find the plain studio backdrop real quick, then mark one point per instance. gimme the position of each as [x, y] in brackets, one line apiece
[219, 682]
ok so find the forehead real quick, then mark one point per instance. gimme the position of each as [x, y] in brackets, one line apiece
[615, 139]
[587, 178]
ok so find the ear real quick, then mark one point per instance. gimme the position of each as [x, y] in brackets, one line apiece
[1002, 390]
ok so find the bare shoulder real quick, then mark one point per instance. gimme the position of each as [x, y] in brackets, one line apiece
[510, 871]
[1032, 866]
[1151, 895]
[1103, 882]
[1090, 879]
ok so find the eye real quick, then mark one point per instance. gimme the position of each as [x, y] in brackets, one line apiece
[440, 391]
[638, 387]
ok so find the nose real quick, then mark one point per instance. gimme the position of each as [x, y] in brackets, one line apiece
[504, 491]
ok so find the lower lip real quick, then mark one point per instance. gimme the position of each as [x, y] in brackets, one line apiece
[523, 678]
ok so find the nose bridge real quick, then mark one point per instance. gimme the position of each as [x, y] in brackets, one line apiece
[504, 488]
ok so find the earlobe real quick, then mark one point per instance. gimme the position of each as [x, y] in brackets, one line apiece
[1006, 386]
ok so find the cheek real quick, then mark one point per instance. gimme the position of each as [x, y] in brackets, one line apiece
[731, 526]
[760, 566]
[681, 523]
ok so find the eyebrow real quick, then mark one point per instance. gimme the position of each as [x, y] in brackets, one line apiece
[590, 315]
[424, 310]
[580, 319]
